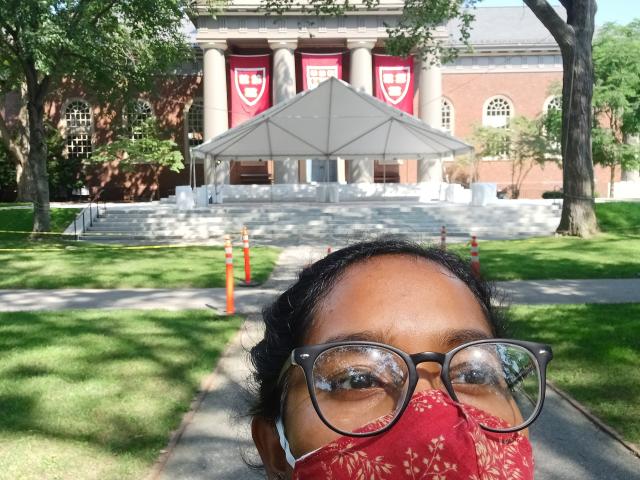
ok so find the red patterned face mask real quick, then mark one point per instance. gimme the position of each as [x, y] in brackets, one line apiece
[435, 439]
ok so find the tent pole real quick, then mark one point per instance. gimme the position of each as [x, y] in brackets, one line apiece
[326, 170]
[215, 180]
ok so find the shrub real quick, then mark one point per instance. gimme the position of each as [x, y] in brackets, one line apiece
[552, 194]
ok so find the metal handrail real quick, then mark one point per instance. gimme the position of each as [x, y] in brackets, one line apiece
[77, 234]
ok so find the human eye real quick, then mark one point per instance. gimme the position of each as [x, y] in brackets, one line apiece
[479, 374]
[355, 378]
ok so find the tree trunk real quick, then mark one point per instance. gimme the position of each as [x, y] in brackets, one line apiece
[24, 181]
[578, 212]
[16, 142]
[38, 163]
[612, 179]
[574, 38]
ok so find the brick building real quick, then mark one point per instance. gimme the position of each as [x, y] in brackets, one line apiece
[511, 71]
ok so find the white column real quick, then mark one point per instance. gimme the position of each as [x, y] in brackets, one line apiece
[361, 171]
[284, 88]
[430, 109]
[216, 119]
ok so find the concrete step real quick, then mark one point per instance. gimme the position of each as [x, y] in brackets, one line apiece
[314, 222]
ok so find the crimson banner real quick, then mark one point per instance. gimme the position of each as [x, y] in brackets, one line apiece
[250, 85]
[393, 83]
[317, 67]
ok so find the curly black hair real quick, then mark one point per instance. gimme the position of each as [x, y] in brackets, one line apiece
[289, 317]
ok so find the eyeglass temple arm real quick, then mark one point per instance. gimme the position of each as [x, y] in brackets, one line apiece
[285, 368]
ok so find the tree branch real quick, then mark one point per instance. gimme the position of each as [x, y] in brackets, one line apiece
[98, 15]
[10, 145]
[13, 46]
[566, 4]
[561, 31]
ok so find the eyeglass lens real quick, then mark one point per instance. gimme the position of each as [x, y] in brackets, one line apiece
[497, 378]
[365, 386]
[360, 385]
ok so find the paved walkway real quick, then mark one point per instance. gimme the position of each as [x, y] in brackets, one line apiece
[216, 441]
[250, 300]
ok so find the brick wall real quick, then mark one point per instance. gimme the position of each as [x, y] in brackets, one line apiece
[468, 93]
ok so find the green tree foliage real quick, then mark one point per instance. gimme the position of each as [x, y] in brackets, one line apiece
[524, 143]
[616, 60]
[114, 48]
[610, 151]
[141, 144]
[616, 97]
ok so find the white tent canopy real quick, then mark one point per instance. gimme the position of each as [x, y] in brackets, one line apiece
[333, 120]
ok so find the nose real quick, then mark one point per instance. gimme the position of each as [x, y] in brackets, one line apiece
[429, 378]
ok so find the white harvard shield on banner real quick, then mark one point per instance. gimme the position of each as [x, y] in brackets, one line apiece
[249, 87]
[319, 67]
[250, 84]
[394, 83]
[316, 74]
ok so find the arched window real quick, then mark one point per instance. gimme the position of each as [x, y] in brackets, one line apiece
[447, 116]
[552, 103]
[77, 129]
[195, 123]
[497, 112]
[136, 116]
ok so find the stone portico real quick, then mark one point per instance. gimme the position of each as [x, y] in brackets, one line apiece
[244, 30]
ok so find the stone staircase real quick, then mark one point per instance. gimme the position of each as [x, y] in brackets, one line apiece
[296, 223]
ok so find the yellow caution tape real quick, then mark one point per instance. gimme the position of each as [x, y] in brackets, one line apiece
[32, 233]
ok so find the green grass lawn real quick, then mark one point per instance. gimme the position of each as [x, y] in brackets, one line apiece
[614, 253]
[596, 356]
[95, 394]
[21, 219]
[52, 262]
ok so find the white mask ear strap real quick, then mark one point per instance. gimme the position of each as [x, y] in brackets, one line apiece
[284, 443]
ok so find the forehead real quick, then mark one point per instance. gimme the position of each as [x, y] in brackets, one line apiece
[405, 301]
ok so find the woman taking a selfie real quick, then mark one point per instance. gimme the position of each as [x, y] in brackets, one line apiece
[384, 361]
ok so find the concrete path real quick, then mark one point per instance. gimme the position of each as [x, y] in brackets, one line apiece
[250, 300]
[572, 291]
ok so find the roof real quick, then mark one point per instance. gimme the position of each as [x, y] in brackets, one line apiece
[493, 26]
[507, 26]
[333, 120]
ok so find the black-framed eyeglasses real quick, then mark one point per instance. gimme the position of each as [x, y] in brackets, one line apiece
[353, 384]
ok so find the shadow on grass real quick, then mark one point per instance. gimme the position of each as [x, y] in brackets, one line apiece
[596, 356]
[116, 267]
[605, 256]
[118, 381]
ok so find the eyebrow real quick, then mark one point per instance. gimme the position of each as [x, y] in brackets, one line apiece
[454, 337]
[364, 336]
[449, 338]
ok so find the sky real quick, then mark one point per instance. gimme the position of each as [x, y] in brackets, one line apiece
[620, 11]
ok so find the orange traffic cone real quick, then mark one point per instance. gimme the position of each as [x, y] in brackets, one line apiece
[475, 256]
[247, 258]
[228, 260]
